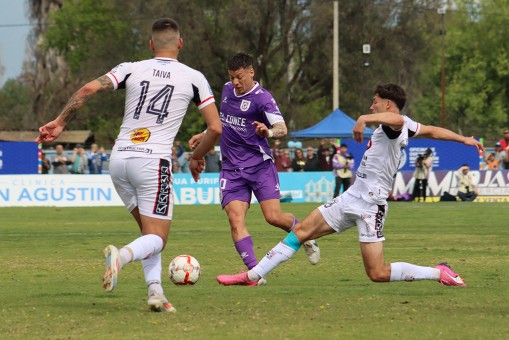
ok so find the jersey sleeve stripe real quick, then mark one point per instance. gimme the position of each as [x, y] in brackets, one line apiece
[412, 133]
[113, 79]
[274, 118]
[205, 102]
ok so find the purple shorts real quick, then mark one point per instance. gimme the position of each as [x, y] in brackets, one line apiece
[237, 185]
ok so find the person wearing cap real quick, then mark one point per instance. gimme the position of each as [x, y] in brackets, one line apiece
[467, 187]
[423, 165]
[502, 156]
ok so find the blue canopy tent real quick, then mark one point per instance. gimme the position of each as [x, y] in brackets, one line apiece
[336, 125]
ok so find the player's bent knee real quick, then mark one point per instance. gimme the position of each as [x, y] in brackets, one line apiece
[377, 276]
[273, 220]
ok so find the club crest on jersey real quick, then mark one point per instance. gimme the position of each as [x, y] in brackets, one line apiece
[244, 105]
[140, 136]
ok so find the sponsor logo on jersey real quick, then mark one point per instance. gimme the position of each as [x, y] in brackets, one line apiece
[134, 149]
[244, 105]
[140, 136]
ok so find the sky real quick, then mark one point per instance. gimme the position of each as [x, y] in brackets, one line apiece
[14, 29]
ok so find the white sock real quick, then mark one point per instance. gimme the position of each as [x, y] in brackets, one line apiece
[141, 248]
[152, 268]
[155, 285]
[402, 271]
[274, 258]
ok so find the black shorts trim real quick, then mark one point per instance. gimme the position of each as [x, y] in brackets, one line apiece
[162, 202]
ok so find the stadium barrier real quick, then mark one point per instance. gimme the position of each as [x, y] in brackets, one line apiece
[98, 190]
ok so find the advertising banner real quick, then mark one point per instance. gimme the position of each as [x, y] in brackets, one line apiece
[446, 155]
[98, 190]
[19, 158]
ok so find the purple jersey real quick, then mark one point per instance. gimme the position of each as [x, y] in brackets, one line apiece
[241, 147]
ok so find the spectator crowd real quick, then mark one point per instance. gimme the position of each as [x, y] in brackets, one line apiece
[79, 162]
[328, 156]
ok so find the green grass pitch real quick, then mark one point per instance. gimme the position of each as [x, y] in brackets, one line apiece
[51, 264]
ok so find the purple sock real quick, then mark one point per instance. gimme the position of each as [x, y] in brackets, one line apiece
[245, 249]
[295, 221]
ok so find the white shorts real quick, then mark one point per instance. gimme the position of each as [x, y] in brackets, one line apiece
[345, 211]
[145, 183]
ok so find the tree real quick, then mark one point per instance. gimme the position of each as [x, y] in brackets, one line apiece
[477, 71]
[291, 41]
[15, 99]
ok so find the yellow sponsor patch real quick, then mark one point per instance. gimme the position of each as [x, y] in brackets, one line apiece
[140, 136]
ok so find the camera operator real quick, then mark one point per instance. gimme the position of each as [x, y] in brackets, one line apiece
[342, 165]
[423, 165]
[467, 188]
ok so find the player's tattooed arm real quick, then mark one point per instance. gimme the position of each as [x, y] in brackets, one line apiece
[80, 97]
[52, 130]
[278, 130]
[106, 83]
[75, 103]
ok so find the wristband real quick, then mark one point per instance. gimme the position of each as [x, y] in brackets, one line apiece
[270, 133]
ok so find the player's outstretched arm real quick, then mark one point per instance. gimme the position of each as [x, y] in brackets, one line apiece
[436, 132]
[394, 120]
[207, 141]
[53, 129]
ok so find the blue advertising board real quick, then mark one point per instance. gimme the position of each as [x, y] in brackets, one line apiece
[19, 158]
[446, 155]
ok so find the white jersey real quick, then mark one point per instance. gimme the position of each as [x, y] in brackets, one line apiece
[158, 94]
[380, 163]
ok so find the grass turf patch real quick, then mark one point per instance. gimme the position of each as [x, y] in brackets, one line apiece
[52, 263]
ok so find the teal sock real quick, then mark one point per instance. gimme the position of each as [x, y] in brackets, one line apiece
[292, 241]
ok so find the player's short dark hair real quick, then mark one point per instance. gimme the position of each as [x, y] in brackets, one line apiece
[392, 92]
[238, 61]
[164, 24]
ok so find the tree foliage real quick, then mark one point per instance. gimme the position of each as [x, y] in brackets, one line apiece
[292, 44]
[476, 69]
[14, 97]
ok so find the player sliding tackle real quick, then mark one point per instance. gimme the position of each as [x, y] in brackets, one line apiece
[364, 204]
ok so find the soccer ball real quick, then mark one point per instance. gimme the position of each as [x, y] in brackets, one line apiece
[184, 270]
